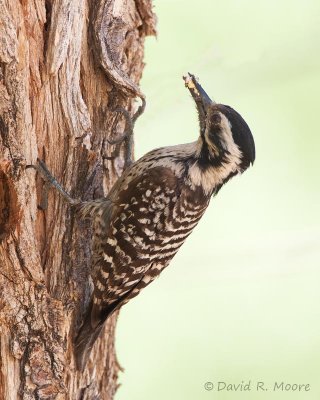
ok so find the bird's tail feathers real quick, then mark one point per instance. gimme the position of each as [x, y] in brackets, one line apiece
[85, 341]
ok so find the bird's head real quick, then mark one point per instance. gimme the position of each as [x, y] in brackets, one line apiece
[225, 136]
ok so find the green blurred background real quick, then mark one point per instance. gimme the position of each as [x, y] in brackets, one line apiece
[241, 300]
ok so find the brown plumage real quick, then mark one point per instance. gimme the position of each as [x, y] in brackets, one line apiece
[150, 213]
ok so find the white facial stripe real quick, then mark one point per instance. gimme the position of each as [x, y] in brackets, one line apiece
[227, 139]
[211, 177]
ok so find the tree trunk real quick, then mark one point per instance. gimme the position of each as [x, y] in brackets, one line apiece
[64, 66]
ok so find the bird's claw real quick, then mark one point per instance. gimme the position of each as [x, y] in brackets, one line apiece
[127, 135]
[50, 180]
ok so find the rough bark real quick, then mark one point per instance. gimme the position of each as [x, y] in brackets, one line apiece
[64, 66]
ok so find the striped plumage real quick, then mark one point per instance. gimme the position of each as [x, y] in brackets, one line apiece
[153, 208]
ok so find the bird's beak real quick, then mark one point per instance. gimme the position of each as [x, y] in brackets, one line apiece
[199, 95]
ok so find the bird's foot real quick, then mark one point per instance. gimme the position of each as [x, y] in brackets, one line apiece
[50, 180]
[127, 136]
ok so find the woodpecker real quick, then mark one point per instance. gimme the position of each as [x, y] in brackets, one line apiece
[154, 206]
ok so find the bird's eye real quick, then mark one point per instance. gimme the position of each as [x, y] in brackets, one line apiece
[215, 118]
